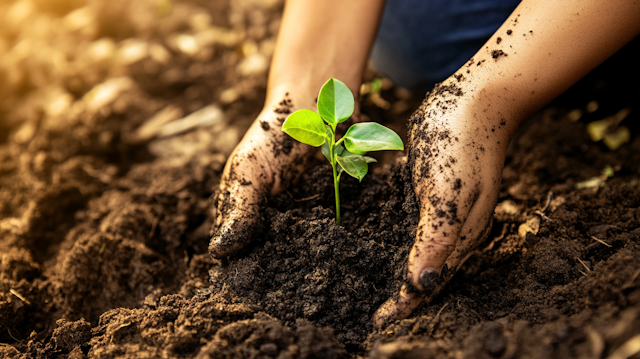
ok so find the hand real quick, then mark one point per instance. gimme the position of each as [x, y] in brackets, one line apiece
[458, 140]
[263, 164]
[457, 148]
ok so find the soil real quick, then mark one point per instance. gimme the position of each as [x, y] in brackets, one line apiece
[104, 230]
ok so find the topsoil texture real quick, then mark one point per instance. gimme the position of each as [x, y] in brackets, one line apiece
[104, 232]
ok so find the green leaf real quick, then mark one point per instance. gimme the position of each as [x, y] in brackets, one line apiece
[371, 136]
[305, 126]
[325, 150]
[335, 102]
[346, 153]
[367, 159]
[370, 159]
[355, 165]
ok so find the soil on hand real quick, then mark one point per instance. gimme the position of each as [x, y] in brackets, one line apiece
[105, 210]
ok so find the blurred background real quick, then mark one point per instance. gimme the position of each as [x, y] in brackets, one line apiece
[69, 63]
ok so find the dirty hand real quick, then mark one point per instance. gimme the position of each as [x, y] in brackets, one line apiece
[263, 164]
[307, 53]
[457, 148]
[459, 136]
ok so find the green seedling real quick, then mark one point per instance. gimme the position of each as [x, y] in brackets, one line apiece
[335, 105]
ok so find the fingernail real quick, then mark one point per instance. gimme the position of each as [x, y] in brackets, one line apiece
[428, 280]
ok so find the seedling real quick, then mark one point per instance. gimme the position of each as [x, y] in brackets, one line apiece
[335, 105]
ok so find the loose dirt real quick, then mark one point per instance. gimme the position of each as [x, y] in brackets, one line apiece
[104, 229]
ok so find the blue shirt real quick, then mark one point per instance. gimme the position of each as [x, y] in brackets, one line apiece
[421, 42]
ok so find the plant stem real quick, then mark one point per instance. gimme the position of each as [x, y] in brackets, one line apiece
[336, 184]
[336, 178]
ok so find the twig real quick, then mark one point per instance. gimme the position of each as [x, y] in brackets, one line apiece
[435, 320]
[19, 296]
[495, 240]
[583, 273]
[303, 199]
[601, 241]
[11, 335]
[546, 205]
[153, 227]
[102, 248]
[544, 208]
[544, 216]
[583, 264]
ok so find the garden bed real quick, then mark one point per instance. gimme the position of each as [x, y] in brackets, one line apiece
[105, 214]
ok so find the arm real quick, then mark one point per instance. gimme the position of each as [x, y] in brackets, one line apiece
[457, 149]
[322, 39]
[553, 44]
[317, 40]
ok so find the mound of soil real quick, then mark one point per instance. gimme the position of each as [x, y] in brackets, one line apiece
[105, 218]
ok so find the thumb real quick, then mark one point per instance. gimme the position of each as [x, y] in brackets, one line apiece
[443, 210]
[448, 232]
[236, 223]
[237, 215]
[442, 245]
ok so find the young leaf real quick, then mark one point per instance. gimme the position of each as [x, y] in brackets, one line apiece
[354, 165]
[325, 150]
[305, 126]
[335, 102]
[371, 136]
[345, 153]
[369, 159]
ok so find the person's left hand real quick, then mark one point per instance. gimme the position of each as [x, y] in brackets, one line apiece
[457, 147]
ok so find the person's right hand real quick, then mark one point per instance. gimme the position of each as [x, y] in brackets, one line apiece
[308, 52]
[263, 164]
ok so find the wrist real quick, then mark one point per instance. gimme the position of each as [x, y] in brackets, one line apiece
[297, 96]
[484, 96]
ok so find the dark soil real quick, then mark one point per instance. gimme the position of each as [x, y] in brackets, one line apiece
[104, 232]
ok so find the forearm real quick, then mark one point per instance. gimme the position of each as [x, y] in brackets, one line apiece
[322, 39]
[551, 46]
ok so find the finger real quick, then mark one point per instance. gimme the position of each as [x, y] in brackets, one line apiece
[476, 227]
[474, 231]
[442, 216]
[241, 193]
[397, 307]
[238, 219]
[450, 238]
